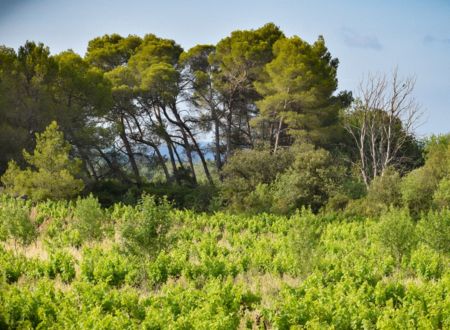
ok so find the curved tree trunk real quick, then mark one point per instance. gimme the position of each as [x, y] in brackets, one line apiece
[129, 151]
[180, 123]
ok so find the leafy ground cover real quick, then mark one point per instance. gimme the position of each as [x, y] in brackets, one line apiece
[74, 265]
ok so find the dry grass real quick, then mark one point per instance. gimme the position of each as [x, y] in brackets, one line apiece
[34, 250]
[267, 285]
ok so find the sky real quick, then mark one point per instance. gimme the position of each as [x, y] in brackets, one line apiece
[366, 36]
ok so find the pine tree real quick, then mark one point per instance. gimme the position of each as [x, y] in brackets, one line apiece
[297, 90]
[52, 173]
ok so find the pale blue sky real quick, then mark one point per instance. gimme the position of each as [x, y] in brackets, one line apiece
[366, 36]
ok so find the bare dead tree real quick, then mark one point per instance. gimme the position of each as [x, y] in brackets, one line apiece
[381, 121]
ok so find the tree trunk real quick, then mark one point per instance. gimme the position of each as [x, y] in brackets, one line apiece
[129, 151]
[162, 162]
[114, 169]
[187, 147]
[217, 157]
[161, 159]
[277, 137]
[228, 134]
[179, 122]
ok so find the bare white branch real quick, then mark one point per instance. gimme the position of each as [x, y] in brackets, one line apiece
[382, 120]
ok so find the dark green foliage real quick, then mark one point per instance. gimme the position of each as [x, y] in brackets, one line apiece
[133, 109]
[52, 172]
[110, 192]
[297, 88]
[312, 178]
[198, 198]
[110, 51]
[261, 181]
[248, 169]
[385, 189]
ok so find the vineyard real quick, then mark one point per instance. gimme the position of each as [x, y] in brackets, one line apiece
[238, 176]
[76, 265]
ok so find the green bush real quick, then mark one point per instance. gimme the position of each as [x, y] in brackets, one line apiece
[110, 267]
[197, 198]
[305, 238]
[15, 222]
[63, 264]
[385, 189]
[11, 266]
[310, 181]
[417, 190]
[158, 270]
[396, 233]
[109, 192]
[52, 172]
[422, 184]
[434, 230]
[259, 200]
[89, 218]
[144, 228]
[247, 169]
[441, 197]
[427, 263]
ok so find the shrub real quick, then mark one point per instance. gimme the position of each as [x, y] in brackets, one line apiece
[144, 227]
[337, 202]
[89, 217]
[427, 263]
[15, 222]
[417, 190]
[61, 263]
[310, 181]
[109, 192]
[441, 197]
[52, 172]
[434, 230]
[110, 267]
[158, 271]
[11, 266]
[305, 238]
[396, 233]
[260, 200]
[362, 208]
[420, 185]
[247, 169]
[385, 189]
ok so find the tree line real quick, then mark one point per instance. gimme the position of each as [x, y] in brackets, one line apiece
[257, 117]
